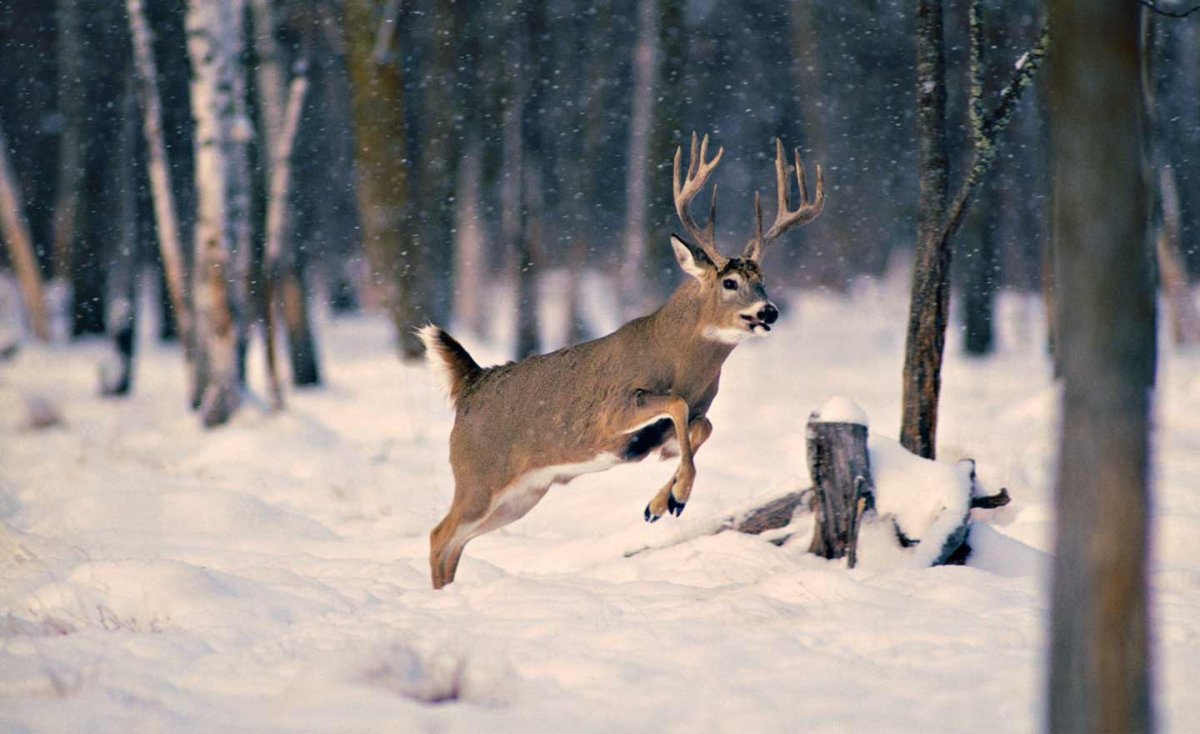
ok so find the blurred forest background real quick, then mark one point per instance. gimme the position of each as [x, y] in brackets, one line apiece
[417, 155]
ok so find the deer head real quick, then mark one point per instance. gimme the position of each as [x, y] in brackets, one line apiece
[733, 301]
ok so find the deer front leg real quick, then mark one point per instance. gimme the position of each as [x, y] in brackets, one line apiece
[647, 407]
[674, 496]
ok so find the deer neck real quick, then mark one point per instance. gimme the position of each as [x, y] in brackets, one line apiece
[680, 322]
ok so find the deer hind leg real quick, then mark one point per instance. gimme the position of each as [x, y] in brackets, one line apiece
[446, 543]
[450, 537]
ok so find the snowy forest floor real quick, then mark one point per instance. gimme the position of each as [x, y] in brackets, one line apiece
[273, 575]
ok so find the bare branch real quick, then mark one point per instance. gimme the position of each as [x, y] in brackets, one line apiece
[990, 127]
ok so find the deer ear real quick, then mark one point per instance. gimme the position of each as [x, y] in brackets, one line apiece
[692, 259]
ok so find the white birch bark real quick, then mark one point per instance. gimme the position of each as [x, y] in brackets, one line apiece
[163, 194]
[214, 45]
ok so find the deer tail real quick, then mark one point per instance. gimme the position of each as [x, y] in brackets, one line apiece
[449, 360]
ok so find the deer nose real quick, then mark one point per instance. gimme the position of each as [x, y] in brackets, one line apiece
[768, 314]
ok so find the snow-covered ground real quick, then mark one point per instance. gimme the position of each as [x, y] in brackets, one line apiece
[272, 575]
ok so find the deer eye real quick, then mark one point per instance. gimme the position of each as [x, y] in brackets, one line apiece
[730, 284]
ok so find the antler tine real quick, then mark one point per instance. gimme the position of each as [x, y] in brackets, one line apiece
[758, 232]
[781, 182]
[698, 172]
[785, 217]
[694, 160]
[801, 179]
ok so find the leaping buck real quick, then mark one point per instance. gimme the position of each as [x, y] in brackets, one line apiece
[521, 427]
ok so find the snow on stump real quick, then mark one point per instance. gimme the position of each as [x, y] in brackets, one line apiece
[840, 467]
[872, 500]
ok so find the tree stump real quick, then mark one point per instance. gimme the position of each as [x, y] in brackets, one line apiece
[840, 467]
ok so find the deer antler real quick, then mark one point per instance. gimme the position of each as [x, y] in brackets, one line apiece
[697, 176]
[785, 217]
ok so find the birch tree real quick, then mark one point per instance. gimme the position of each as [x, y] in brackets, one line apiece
[158, 167]
[284, 279]
[280, 186]
[215, 47]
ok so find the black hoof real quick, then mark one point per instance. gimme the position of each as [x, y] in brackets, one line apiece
[650, 516]
[673, 507]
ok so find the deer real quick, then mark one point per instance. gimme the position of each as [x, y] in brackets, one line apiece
[521, 427]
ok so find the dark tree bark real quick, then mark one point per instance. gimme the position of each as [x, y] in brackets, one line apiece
[105, 67]
[1100, 662]
[840, 467]
[381, 154]
[439, 150]
[940, 219]
[116, 378]
[522, 176]
[930, 285]
[666, 133]
[595, 96]
[634, 297]
[1159, 53]
[70, 153]
[980, 284]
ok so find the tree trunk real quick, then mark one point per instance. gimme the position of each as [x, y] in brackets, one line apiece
[634, 296]
[377, 100]
[841, 472]
[469, 251]
[215, 47]
[593, 100]
[20, 246]
[930, 286]
[441, 112]
[106, 57]
[165, 211]
[280, 187]
[116, 379]
[284, 275]
[1100, 663]
[937, 222]
[519, 179]
[70, 155]
[666, 134]
[1181, 308]
[979, 287]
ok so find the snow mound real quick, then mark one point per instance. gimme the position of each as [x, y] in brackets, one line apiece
[839, 409]
[927, 500]
[151, 596]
